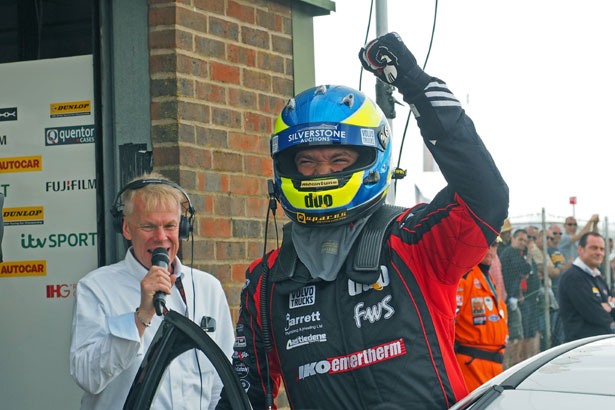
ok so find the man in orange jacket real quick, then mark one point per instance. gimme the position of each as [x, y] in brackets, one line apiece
[481, 331]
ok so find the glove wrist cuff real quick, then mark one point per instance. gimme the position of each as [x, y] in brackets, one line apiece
[413, 83]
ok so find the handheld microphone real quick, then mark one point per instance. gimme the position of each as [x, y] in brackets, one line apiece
[160, 257]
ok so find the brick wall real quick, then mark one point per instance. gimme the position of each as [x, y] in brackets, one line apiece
[221, 71]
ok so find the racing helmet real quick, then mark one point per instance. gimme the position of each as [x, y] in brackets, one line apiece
[331, 116]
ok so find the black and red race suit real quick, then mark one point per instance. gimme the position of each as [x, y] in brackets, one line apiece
[387, 344]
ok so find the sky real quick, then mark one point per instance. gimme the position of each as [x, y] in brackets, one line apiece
[536, 77]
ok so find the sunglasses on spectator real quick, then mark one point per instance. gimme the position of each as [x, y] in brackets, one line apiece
[531, 237]
[571, 224]
[557, 233]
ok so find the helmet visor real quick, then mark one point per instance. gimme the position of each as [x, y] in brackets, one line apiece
[286, 144]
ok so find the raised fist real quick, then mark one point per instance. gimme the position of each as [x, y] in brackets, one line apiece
[391, 61]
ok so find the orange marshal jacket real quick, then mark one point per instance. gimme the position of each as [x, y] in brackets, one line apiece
[480, 324]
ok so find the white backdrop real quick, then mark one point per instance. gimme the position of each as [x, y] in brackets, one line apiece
[47, 172]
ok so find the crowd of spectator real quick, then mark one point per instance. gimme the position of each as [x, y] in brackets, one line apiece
[534, 289]
[523, 269]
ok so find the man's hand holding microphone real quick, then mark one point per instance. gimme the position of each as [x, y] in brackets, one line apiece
[156, 284]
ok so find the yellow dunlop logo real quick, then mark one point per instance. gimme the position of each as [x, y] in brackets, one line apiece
[319, 184]
[21, 269]
[27, 215]
[69, 109]
[21, 164]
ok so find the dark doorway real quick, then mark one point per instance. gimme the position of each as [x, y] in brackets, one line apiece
[40, 29]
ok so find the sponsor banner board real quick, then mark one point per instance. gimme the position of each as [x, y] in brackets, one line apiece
[48, 177]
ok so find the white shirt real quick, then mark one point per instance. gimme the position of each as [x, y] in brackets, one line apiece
[106, 351]
[592, 272]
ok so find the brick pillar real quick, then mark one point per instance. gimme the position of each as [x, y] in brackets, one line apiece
[221, 71]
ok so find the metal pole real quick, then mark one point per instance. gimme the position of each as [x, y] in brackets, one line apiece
[382, 25]
[384, 92]
[546, 281]
[607, 268]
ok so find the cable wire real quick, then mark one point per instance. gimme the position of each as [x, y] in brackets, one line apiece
[266, 330]
[403, 138]
[38, 8]
[196, 354]
[433, 31]
[369, 22]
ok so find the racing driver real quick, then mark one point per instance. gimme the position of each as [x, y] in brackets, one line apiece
[356, 309]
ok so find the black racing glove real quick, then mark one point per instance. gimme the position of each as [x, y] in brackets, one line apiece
[391, 61]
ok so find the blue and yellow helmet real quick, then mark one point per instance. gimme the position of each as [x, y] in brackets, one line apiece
[331, 116]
